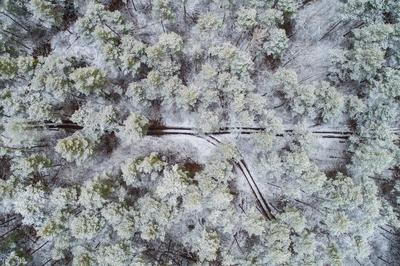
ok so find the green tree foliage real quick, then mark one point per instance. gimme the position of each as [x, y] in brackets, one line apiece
[47, 12]
[96, 120]
[74, 148]
[321, 101]
[88, 79]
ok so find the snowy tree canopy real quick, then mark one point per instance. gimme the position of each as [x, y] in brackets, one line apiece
[203, 132]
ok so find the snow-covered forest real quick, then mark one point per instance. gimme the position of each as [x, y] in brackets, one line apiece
[199, 132]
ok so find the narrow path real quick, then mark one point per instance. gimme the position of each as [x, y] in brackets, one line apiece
[252, 130]
[328, 134]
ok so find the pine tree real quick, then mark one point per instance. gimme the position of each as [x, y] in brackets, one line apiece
[74, 148]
